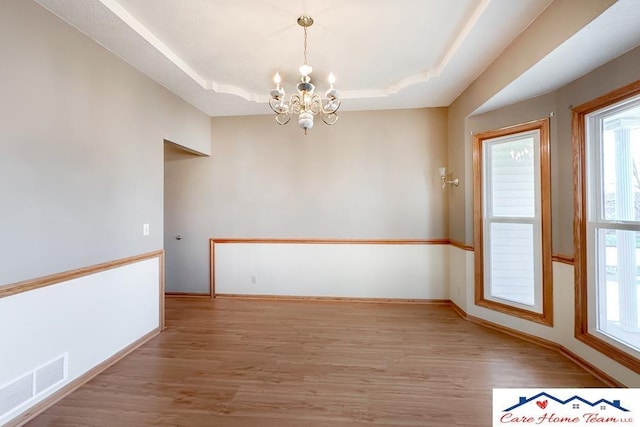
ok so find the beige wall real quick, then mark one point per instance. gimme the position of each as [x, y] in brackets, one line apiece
[558, 22]
[617, 73]
[371, 176]
[81, 167]
[613, 75]
[81, 160]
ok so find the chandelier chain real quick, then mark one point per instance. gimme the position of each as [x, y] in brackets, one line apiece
[305, 45]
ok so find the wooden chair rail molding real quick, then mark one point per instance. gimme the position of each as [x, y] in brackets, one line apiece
[41, 282]
[564, 259]
[52, 279]
[461, 245]
[214, 241]
[335, 241]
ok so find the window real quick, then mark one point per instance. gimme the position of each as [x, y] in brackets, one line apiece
[511, 221]
[607, 224]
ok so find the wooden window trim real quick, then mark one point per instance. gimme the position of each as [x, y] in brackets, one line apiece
[578, 137]
[546, 317]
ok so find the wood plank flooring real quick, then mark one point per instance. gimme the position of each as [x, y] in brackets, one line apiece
[235, 362]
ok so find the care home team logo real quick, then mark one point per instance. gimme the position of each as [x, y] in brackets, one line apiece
[564, 407]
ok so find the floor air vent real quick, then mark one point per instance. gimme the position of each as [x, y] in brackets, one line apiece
[30, 385]
[50, 374]
[16, 393]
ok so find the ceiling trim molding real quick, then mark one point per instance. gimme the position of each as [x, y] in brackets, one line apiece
[114, 7]
[147, 35]
[478, 37]
[453, 48]
[127, 18]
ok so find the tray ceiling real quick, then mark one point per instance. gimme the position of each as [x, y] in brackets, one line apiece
[220, 55]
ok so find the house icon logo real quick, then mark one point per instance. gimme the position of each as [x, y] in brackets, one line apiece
[542, 401]
[567, 407]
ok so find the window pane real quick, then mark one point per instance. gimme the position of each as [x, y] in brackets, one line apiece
[618, 310]
[511, 181]
[512, 262]
[512, 184]
[621, 163]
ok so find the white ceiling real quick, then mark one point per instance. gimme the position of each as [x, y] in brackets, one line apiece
[220, 55]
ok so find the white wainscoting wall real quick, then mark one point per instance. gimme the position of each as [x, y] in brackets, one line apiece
[342, 270]
[90, 318]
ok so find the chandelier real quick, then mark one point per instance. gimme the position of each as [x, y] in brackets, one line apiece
[306, 103]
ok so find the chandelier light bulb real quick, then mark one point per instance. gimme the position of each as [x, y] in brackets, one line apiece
[331, 94]
[278, 92]
[305, 69]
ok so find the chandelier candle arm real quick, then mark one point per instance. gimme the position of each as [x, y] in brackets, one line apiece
[306, 103]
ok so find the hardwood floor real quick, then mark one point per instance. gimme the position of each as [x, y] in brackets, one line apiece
[235, 362]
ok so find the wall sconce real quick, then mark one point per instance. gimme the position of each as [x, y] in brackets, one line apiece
[443, 178]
